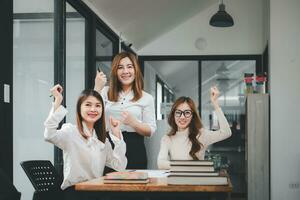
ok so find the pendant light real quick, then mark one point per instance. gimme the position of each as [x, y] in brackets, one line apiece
[221, 18]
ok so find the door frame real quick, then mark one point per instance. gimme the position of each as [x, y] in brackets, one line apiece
[6, 78]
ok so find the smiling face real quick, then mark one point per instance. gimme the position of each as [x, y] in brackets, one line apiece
[183, 116]
[91, 110]
[126, 72]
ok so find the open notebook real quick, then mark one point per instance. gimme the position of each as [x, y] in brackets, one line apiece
[126, 177]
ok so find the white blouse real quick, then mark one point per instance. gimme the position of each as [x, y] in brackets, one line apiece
[143, 109]
[83, 159]
[178, 146]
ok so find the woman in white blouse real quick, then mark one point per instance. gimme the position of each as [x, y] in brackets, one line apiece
[126, 101]
[86, 149]
[187, 139]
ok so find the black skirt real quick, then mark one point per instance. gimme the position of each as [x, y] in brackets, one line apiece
[135, 150]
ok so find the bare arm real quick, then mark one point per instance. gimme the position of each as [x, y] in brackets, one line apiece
[224, 131]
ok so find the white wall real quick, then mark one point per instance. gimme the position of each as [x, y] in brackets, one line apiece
[245, 37]
[285, 95]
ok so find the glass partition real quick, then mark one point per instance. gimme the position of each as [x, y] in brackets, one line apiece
[104, 53]
[33, 76]
[228, 76]
[75, 60]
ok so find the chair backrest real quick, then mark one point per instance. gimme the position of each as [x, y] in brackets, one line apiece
[42, 175]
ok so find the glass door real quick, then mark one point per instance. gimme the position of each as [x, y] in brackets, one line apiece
[33, 76]
[75, 59]
[104, 53]
[228, 76]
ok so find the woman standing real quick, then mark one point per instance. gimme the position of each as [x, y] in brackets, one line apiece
[126, 101]
[187, 139]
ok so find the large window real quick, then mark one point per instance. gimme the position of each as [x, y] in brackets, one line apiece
[80, 43]
[75, 59]
[104, 53]
[193, 76]
[164, 99]
[228, 76]
[32, 78]
[159, 98]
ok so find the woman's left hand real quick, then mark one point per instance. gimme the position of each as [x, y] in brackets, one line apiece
[115, 127]
[128, 119]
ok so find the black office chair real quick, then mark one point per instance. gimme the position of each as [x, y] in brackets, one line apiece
[44, 179]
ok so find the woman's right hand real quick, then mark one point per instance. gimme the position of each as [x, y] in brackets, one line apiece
[100, 81]
[56, 91]
[115, 127]
[214, 95]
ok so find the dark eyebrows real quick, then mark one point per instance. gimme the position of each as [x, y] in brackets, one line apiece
[128, 65]
[98, 103]
[184, 110]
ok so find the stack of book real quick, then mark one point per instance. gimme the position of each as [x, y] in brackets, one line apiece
[195, 172]
[126, 177]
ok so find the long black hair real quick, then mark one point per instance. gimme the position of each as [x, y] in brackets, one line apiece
[99, 125]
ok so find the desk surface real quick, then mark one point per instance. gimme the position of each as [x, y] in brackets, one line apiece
[158, 184]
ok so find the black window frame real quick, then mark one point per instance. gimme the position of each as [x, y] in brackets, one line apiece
[257, 57]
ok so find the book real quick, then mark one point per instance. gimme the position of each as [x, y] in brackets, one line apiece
[197, 180]
[126, 177]
[191, 162]
[127, 181]
[214, 173]
[192, 168]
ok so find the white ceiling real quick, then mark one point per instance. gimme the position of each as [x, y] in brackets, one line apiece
[175, 72]
[142, 21]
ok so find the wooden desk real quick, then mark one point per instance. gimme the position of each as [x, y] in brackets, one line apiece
[157, 188]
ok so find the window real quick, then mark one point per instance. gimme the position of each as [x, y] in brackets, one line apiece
[159, 98]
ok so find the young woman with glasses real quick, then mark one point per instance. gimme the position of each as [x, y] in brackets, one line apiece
[187, 139]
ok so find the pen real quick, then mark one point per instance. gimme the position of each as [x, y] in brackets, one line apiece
[99, 69]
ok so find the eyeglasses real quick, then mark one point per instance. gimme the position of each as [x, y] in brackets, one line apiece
[186, 113]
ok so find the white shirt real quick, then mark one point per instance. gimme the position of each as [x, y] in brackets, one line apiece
[143, 109]
[83, 159]
[178, 146]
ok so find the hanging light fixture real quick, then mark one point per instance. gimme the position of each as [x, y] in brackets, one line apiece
[221, 18]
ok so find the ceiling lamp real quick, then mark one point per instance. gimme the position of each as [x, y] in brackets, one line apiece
[222, 70]
[221, 18]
